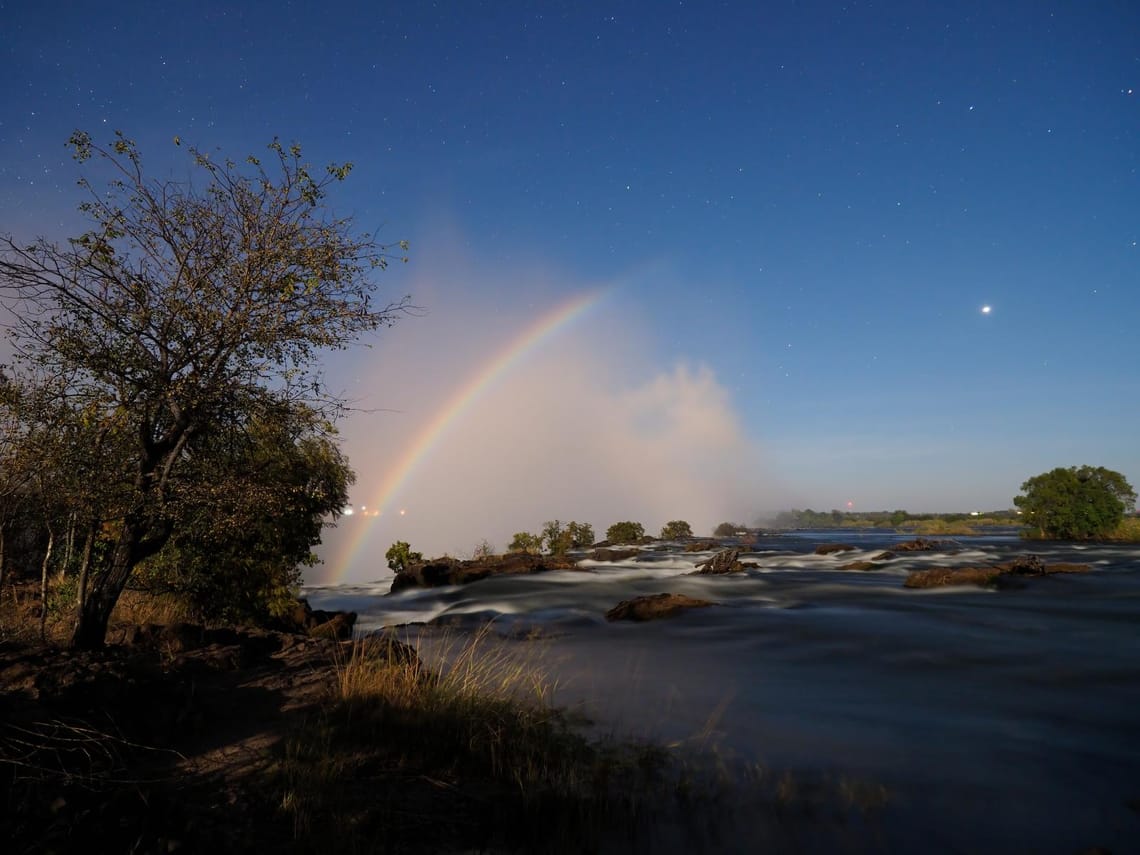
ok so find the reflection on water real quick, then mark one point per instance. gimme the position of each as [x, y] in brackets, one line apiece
[997, 720]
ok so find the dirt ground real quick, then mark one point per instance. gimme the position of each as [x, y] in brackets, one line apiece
[159, 743]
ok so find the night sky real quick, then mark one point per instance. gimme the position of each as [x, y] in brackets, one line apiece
[800, 208]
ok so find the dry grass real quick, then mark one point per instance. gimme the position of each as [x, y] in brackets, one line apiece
[470, 753]
[139, 607]
[20, 610]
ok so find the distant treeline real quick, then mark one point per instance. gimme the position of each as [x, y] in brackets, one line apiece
[808, 518]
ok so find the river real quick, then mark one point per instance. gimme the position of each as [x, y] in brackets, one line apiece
[962, 719]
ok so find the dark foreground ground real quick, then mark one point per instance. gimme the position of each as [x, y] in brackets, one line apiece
[167, 743]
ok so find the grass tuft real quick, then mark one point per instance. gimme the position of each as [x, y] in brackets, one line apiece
[469, 753]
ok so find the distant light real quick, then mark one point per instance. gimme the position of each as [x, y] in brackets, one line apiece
[850, 505]
[987, 309]
[348, 512]
[402, 511]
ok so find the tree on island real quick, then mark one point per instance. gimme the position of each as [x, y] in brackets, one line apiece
[1077, 503]
[560, 538]
[526, 542]
[726, 529]
[675, 530]
[625, 532]
[400, 556]
[186, 312]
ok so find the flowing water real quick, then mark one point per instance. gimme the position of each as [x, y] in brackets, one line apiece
[1003, 721]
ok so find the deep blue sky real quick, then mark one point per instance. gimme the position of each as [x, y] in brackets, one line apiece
[813, 199]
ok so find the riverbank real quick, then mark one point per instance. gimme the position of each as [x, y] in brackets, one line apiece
[184, 738]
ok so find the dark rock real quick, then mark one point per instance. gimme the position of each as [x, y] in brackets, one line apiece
[654, 606]
[607, 554]
[723, 562]
[832, 548]
[338, 626]
[297, 618]
[1008, 576]
[941, 577]
[303, 619]
[859, 565]
[701, 546]
[921, 544]
[1065, 567]
[1027, 565]
[1032, 565]
[452, 571]
[884, 556]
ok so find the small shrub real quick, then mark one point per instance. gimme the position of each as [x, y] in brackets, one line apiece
[526, 542]
[675, 530]
[625, 532]
[400, 556]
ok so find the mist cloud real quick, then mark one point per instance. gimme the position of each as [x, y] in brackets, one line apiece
[585, 427]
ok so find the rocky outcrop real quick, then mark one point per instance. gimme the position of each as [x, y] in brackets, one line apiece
[1004, 575]
[701, 546]
[306, 620]
[723, 562]
[653, 606]
[921, 544]
[832, 548]
[609, 554]
[453, 571]
[1027, 565]
[860, 565]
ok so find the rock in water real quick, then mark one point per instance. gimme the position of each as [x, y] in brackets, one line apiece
[654, 606]
[723, 562]
[832, 548]
[1027, 565]
[452, 571]
[921, 544]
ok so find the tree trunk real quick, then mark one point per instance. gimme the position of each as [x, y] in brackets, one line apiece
[95, 613]
[84, 568]
[1, 557]
[68, 547]
[93, 616]
[44, 584]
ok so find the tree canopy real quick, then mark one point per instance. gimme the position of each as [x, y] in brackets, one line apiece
[560, 538]
[184, 314]
[676, 529]
[625, 532]
[400, 556]
[1077, 503]
[524, 541]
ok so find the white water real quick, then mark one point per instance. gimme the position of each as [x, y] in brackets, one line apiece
[997, 720]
